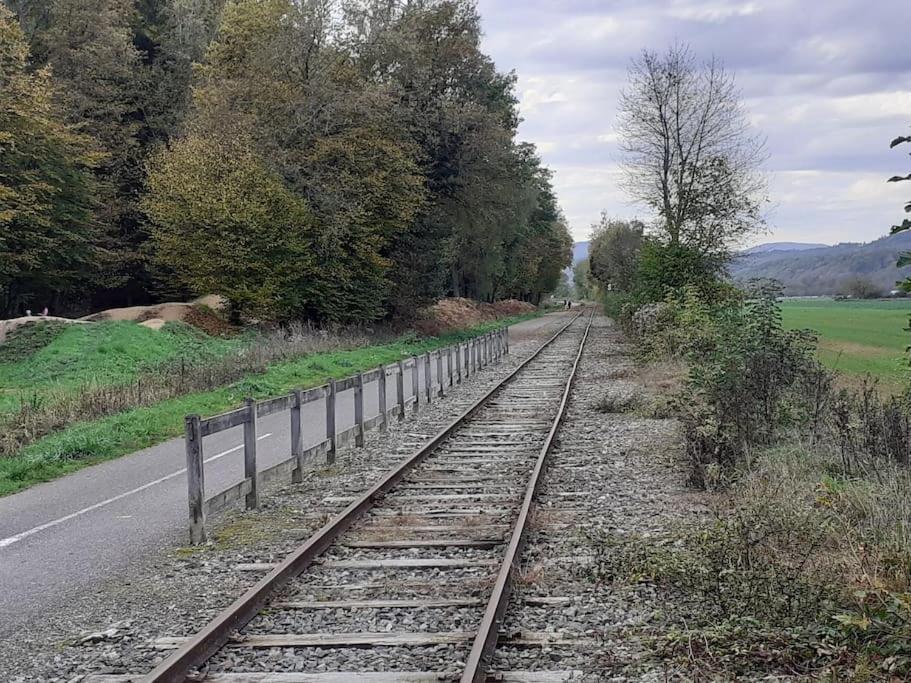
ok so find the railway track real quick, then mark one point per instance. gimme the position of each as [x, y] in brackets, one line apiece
[425, 559]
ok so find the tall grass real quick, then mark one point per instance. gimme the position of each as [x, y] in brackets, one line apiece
[44, 412]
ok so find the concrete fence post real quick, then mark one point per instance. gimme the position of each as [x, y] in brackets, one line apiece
[359, 410]
[196, 480]
[381, 390]
[449, 365]
[440, 371]
[400, 389]
[297, 440]
[428, 377]
[458, 362]
[414, 383]
[330, 421]
[252, 498]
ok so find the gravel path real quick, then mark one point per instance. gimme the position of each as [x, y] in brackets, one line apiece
[613, 473]
[178, 589]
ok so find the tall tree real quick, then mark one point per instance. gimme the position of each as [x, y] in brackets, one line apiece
[462, 115]
[689, 152]
[274, 76]
[47, 232]
[89, 46]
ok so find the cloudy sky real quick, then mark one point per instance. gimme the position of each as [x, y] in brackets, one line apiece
[827, 82]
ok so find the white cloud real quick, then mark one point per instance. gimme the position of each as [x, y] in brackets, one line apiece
[828, 84]
[711, 12]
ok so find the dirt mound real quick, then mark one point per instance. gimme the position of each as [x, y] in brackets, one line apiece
[173, 311]
[513, 307]
[7, 326]
[458, 313]
[203, 318]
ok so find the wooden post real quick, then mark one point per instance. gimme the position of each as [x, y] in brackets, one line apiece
[400, 389]
[381, 387]
[330, 421]
[297, 442]
[428, 376]
[458, 357]
[440, 370]
[252, 499]
[414, 384]
[196, 480]
[359, 410]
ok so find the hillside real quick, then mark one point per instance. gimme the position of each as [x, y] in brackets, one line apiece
[810, 270]
[783, 246]
[580, 251]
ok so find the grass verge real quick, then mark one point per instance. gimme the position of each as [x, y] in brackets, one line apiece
[88, 443]
[44, 359]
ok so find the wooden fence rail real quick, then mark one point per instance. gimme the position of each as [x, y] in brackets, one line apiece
[461, 360]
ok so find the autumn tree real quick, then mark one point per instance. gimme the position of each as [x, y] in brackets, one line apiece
[462, 115]
[689, 153]
[273, 76]
[251, 240]
[47, 232]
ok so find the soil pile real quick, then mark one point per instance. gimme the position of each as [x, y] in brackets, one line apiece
[458, 313]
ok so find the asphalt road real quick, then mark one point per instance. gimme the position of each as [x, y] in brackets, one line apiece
[61, 538]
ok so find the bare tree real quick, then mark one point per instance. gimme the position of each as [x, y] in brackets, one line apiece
[689, 151]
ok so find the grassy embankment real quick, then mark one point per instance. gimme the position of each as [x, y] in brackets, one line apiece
[45, 363]
[857, 337]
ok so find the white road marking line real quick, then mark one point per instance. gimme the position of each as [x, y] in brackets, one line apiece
[25, 534]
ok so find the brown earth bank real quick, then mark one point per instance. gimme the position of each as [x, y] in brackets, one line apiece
[447, 315]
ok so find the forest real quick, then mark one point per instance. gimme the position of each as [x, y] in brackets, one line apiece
[307, 160]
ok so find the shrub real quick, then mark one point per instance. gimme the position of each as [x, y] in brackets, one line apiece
[668, 268]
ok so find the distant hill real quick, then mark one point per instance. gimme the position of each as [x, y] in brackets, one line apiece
[808, 269]
[580, 252]
[783, 246]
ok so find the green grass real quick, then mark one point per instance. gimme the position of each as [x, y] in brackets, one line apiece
[857, 338]
[38, 359]
[92, 442]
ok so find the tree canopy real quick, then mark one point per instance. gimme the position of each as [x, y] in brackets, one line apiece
[303, 158]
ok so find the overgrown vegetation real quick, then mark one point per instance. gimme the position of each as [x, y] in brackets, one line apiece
[805, 567]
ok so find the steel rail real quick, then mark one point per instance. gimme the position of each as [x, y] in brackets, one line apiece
[485, 642]
[213, 636]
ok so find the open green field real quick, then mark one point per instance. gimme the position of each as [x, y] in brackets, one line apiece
[858, 337]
